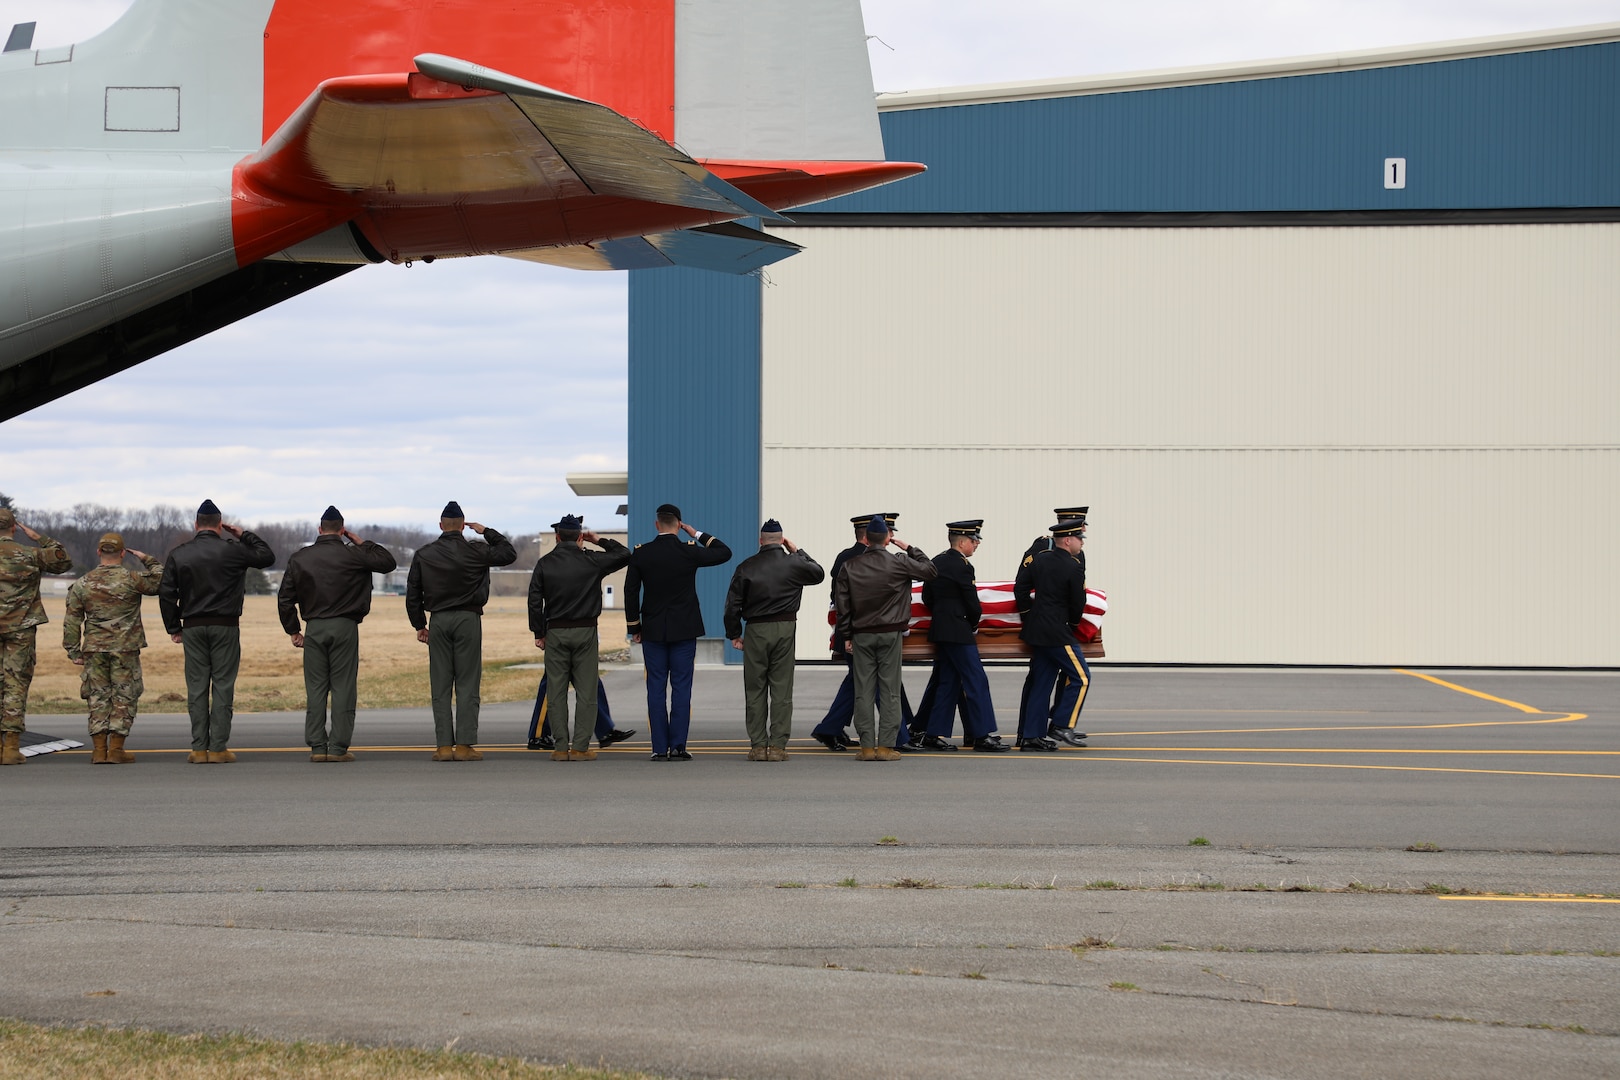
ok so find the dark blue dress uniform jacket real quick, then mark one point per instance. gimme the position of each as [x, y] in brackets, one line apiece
[660, 601]
[953, 600]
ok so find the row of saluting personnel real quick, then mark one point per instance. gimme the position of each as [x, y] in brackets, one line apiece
[201, 594]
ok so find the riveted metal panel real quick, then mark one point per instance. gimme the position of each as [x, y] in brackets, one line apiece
[694, 413]
[1529, 129]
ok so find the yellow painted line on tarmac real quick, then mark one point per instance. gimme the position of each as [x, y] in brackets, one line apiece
[1377, 768]
[1540, 899]
[1559, 719]
[1385, 750]
[1471, 693]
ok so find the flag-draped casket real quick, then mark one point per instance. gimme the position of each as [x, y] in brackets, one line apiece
[999, 624]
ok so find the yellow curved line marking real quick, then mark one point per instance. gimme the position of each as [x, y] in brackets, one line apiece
[1471, 693]
[1540, 899]
[1559, 719]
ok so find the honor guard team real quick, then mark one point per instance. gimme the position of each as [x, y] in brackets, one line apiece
[327, 585]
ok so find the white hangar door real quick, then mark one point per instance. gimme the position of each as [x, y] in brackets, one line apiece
[1362, 445]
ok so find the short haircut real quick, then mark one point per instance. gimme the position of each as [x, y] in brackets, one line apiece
[331, 525]
[567, 536]
[209, 521]
[451, 524]
[668, 519]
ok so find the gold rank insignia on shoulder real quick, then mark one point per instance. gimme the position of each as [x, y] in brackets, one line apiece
[1028, 559]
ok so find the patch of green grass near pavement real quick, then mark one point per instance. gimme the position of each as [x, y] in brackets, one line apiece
[33, 1052]
[1198, 841]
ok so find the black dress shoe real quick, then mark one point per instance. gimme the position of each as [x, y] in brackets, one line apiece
[1041, 745]
[544, 742]
[659, 757]
[831, 742]
[1065, 735]
[935, 742]
[614, 736]
[991, 745]
[908, 748]
[679, 754]
[848, 742]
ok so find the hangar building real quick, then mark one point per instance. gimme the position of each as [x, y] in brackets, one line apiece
[1328, 345]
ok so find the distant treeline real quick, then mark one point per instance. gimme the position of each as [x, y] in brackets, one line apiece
[158, 529]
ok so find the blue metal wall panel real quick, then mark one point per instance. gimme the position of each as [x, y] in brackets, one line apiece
[1531, 129]
[694, 413]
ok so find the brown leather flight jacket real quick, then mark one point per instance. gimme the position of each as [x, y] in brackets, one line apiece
[872, 594]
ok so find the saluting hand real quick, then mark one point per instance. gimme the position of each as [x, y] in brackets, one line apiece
[588, 536]
[137, 554]
[234, 530]
[791, 547]
[475, 527]
[688, 530]
[30, 533]
[351, 538]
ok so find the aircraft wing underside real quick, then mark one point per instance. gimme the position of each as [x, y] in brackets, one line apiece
[454, 159]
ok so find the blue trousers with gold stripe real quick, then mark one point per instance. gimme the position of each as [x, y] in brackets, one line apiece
[1046, 663]
[540, 723]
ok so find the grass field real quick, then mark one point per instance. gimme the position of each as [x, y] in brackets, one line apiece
[30, 1052]
[393, 664]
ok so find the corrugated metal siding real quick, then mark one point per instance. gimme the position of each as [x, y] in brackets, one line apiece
[694, 413]
[1401, 557]
[1462, 336]
[1301, 446]
[1531, 129]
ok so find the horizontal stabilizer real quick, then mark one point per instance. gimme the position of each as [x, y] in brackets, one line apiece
[610, 153]
[727, 248]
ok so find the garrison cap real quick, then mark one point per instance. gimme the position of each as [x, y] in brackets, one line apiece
[771, 526]
[1069, 527]
[333, 514]
[668, 509]
[452, 509]
[965, 528]
[572, 522]
[8, 520]
[208, 509]
[110, 542]
[878, 525]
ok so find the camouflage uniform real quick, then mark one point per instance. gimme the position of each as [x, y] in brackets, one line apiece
[20, 613]
[103, 628]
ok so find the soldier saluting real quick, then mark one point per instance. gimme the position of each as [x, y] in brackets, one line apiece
[20, 616]
[330, 583]
[201, 598]
[103, 634]
[450, 578]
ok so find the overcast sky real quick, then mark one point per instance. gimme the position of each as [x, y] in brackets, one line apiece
[486, 380]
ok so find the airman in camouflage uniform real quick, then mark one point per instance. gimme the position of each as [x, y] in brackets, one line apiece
[20, 615]
[103, 634]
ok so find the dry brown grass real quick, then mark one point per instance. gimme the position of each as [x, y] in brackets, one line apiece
[393, 664]
[29, 1052]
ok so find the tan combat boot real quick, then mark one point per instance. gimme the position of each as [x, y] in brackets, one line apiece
[444, 753]
[11, 748]
[221, 757]
[98, 748]
[757, 753]
[776, 753]
[116, 754]
[582, 755]
[465, 752]
[198, 757]
[866, 753]
[886, 753]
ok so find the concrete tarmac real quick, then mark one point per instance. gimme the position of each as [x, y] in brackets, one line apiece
[955, 914]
